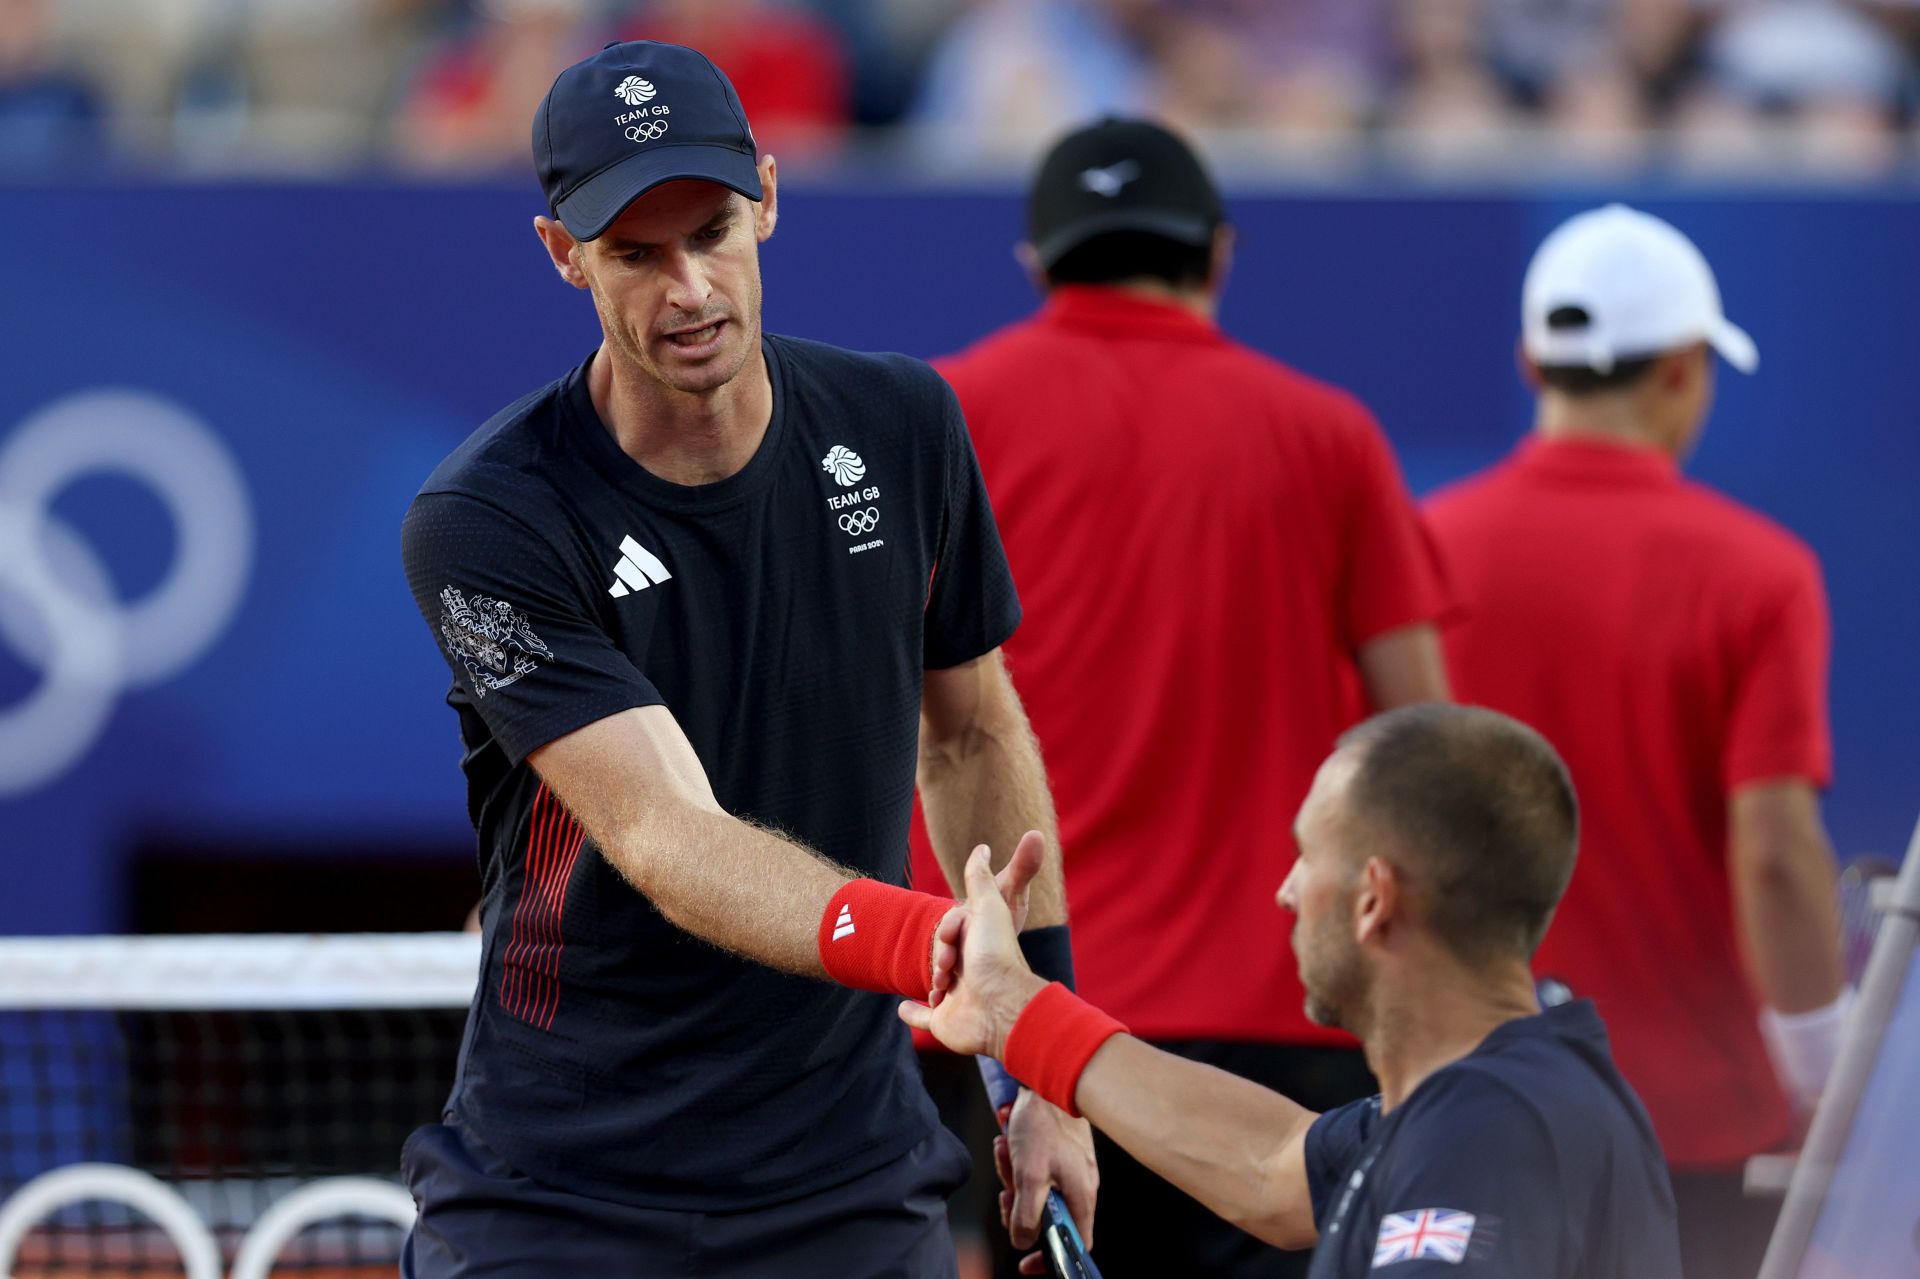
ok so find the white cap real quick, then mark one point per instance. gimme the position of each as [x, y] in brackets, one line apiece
[1645, 288]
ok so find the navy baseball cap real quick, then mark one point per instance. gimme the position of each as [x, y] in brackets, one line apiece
[632, 116]
[1120, 175]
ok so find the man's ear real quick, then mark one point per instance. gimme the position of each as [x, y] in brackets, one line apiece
[1529, 371]
[1029, 259]
[1677, 370]
[563, 249]
[766, 214]
[1376, 904]
[1220, 264]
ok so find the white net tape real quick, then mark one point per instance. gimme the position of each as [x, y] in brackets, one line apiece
[373, 970]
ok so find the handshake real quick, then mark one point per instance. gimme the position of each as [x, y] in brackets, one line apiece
[986, 1000]
[981, 982]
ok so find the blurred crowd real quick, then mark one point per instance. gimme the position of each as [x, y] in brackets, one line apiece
[449, 86]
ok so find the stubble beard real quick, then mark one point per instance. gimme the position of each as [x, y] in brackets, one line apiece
[635, 348]
[1335, 981]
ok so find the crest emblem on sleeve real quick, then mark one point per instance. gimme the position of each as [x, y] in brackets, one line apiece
[490, 639]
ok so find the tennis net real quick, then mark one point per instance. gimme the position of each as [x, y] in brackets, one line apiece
[194, 1104]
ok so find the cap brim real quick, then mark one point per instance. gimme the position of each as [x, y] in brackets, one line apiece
[590, 208]
[1187, 228]
[1734, 345]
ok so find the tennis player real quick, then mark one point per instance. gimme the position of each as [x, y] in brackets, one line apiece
[1434, 844]
[706, 598]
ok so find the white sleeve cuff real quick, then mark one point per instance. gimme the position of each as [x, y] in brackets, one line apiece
[1804, 1045]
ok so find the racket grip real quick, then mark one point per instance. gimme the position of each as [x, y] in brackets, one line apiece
[1002, 1088]
[1060, 1238]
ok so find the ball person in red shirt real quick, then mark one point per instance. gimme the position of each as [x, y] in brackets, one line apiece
[1673, 646]
[1222, 572]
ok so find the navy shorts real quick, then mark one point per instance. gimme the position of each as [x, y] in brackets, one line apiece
[481, 1219]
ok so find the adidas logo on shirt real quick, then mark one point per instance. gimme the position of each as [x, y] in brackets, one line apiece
[638, 569]
[843, 926]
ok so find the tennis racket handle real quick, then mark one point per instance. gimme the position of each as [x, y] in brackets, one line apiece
[1059, 1237]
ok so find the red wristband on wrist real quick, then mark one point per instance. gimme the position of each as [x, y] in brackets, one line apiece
[1052, 1041]
[875, 936]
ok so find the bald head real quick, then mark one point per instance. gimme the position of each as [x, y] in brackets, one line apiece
[1476, 812]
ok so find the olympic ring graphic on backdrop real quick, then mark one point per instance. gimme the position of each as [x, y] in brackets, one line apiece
[651, 131]
[858, 522]
[59, 611]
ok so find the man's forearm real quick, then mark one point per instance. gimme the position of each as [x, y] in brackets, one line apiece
[1788, 934]
[633, 781]
[742, 888]
[1231, 1144]
[1783, 894]
[986, 784]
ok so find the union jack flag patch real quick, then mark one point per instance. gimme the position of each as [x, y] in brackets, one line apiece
[1435, 1234]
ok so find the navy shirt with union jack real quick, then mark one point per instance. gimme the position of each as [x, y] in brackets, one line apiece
[785, 615]
[1529, 1158]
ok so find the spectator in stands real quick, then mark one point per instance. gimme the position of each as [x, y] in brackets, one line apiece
[1010, 70]
[790, 68]
[1448, 105]
[1292, 64]
[1829, 77]
[468, 106]
[49, 117]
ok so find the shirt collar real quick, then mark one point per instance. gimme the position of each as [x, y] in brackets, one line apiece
[1594, 460]
[1118, 311]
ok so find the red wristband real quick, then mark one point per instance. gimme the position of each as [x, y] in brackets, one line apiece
[1052, 1041]
[875, 936]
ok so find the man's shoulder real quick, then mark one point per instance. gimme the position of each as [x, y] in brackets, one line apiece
[501, 462]
[1460, 499]
[1009, 345]
[821, 368]
[1762, 543]
[1550, 1078]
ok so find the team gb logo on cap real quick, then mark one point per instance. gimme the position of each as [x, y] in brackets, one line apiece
[642, 124]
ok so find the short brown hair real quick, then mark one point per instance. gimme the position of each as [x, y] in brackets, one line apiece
[1479, 813]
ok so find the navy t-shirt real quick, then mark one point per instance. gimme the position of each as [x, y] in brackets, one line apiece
[785, 616]
[1530, 1157]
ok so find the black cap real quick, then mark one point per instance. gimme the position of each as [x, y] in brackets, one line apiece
[632, 116]
[1120, 175]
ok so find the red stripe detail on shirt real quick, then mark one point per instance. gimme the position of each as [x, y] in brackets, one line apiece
[572, 837]
[536, 987]
[537, 955]
[515, 978]
[519, 904]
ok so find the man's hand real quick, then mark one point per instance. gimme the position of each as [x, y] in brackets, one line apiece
[1014, 883]
[1044, 1147]
[990, 982]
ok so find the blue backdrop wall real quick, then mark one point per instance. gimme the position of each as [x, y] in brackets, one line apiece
[324, 346]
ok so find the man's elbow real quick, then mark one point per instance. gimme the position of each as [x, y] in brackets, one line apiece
[1278, 1229]
[1783, 860]
[1274, 1208]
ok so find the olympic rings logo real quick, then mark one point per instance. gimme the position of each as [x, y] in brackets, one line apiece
[328, 1198]
[651, 131]
[59, 610]
[858, 522]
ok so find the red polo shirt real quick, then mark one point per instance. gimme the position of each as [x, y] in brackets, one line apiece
[1673, 646]
[1201, 537]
